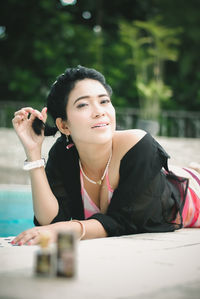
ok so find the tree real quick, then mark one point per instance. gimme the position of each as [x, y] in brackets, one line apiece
[151, 45]
[40, 41]
[40, 38]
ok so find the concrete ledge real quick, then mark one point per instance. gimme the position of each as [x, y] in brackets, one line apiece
[157, 266]
[13, 176]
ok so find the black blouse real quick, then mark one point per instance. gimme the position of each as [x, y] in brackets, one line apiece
[146, 199]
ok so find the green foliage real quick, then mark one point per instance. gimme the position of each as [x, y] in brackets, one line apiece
[42, 38]
[182, 76]
[48, 44]
[152, 95]
[151, 45]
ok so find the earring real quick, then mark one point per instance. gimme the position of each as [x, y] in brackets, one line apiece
[69, 145]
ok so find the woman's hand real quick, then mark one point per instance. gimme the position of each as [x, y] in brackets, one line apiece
[32, 235]
[22, 123]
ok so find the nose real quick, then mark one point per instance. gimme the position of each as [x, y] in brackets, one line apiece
[98, 111]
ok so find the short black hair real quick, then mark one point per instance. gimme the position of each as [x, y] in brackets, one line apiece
[58, 96]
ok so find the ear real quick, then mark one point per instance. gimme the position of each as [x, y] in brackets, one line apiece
[62, 126]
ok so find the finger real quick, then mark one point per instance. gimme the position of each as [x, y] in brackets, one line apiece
[25, 110]
[34, 241]
[22, 114]
[42, 233]
[17, 239]
[29, 236]
[44, 114]
[26, 236]
[35, 113]
[17, 119]
[28, 110]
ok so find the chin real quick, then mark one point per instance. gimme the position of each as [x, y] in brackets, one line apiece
[103, 139]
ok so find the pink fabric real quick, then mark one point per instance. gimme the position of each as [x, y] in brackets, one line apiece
[190, 214]
[193, 175]
[191, 210]
[108, 184]
[89, 206]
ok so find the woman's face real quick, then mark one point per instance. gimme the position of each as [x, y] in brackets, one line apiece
[90, 113]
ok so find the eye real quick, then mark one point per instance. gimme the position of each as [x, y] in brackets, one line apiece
[81, 105]
[105, 101]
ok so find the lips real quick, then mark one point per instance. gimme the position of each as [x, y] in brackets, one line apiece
[100, 125]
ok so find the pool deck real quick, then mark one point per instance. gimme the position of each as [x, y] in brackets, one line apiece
[146, 266]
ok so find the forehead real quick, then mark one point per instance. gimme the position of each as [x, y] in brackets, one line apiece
[87, 87]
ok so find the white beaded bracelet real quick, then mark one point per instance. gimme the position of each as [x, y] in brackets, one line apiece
[34, 164]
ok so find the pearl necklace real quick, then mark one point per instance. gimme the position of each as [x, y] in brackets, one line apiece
[101, 179]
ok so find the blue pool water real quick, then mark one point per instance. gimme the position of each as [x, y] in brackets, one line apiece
[16, 212]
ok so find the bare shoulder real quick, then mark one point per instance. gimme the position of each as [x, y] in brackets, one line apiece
[125, 140]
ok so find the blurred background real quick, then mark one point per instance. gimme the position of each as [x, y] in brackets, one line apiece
[148, 50]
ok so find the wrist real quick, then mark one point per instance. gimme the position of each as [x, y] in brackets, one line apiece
[80, 228]
[33, 156]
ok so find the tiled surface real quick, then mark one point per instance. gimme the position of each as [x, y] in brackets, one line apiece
[160, 266]
[6, 242]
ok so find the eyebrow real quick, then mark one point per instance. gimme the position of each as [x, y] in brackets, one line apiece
[87, 97]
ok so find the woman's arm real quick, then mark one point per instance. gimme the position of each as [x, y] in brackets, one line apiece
[44, 202]
[88, 229]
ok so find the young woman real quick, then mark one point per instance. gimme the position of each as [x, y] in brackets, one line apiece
[98, 181]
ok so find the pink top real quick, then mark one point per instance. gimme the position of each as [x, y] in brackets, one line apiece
[191, 210]
[90, 207]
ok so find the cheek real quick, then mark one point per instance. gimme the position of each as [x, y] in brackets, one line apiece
[76, 123]
[113, 114]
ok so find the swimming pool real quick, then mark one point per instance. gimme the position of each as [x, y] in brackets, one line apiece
[16, 212]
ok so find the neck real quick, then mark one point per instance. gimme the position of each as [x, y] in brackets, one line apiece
[94, 159]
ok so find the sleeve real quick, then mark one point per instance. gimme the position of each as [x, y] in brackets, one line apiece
[136, 205]
[56, 183]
